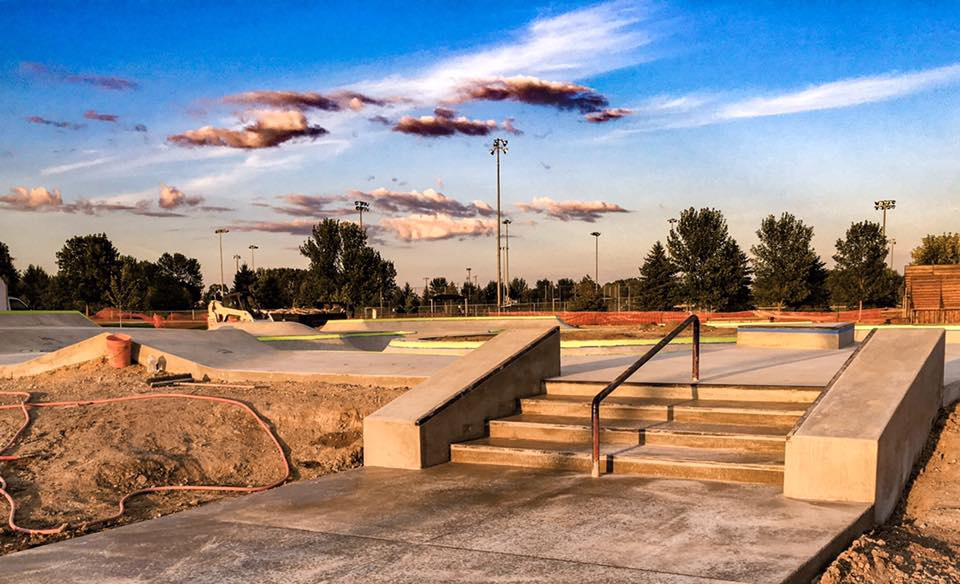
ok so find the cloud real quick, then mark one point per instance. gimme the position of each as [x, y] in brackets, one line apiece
[271, 128]
[313, 205]
[36, 199]
[532, 91]
[64, 76]
[444, 123]
[332, 102]
[383, 201]
[93, 115]
[62, 168]
[437, 227]
[588, 211]
[844, 93]
[54, 123]
[508, 127]
[608, 114]
[294, 227]
[139, 128]
[172, 198]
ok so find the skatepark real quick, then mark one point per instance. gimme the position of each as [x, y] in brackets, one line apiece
[750, 473]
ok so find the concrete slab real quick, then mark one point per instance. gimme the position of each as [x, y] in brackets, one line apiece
[718, 364]
[43, 318]
[463, 523]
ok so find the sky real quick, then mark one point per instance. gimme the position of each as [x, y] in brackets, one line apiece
[160, 122]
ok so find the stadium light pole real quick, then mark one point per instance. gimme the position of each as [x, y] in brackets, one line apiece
[253, 262]
[596, 258]
[220, 232]
[499, 147]
[885, 205]
[506, 267]
[361, 207]
[237, 258]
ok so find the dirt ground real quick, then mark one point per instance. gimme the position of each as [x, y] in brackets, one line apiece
[77, 462]
[921, 542]
[650, 331]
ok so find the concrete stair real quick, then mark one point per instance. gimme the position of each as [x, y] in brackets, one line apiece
[706, 432]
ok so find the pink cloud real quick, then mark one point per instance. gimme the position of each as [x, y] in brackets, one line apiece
[437, 227]
[94, 115]
[270, 129]
[172, 197]
[533, 91]
[608, 114]
[588, 211]
[62, 75]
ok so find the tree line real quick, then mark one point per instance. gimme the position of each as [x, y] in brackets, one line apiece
[700, 267]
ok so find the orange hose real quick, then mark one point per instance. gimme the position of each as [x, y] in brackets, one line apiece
[25, 405]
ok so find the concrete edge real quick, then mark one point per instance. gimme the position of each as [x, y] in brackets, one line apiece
[813, 566]
[81, 352]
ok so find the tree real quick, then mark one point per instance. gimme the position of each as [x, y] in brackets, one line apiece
[126, 286]
[519, 292]
[565, 289]
[406, 300]
[587, 296]
[343, 268]
[438, 286]
[658, 281]
[488, 294]
[713, 271]
[35, 287]
[861, 277]
[244, 280]
[937, 250]
[787, 271]
[184, 271]
[87, 263]
[8, 272]
[542, 291]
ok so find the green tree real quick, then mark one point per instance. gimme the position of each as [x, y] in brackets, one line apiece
[184, 271]
[713, 271]
[488, 294]
[542, 291]
[87, 263]
[244, 280]
[126, 285]
[658, 281]
[861, 277]
[8, 272]
[343, 268]
[438, 286]
[519, 292]
[405, 299]
[587, 296]
[35, 287]
[937, 250]
[787, 271]
[565, 289]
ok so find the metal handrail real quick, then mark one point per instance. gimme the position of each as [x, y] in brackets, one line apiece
[595, 405]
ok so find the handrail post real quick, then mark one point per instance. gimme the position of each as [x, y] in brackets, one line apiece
[595, 422]
[696, 350]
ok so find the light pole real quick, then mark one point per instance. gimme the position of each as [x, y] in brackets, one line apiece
[499, 147]
[361, 207]
[237, 258]
[596, 258]
[672, 221]
[220, 232]
[466, 301]
[506, 268]
[253, 262]
[885, 205]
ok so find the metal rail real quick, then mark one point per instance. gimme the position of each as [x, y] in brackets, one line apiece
[597, 399]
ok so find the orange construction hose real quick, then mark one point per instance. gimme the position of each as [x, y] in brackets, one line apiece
[26, 404]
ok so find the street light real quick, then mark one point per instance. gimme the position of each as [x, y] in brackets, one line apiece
[220, 232]
[253, 263]
[499, 147]
[237, 258]
[506, 223]
[361, 207]
[673, 222]
[885, 205]
[596, 260]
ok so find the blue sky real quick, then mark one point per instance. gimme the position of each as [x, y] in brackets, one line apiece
[139, 119]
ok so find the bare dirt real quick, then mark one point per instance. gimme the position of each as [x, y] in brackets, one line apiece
[75, 463]
[650, 331]
[921, 542]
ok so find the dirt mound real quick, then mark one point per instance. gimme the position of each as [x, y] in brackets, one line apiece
[921, 542]
[75, 463]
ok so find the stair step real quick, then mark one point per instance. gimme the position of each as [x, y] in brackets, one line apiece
[779, 414]
[650, 460]
[795, 394]
[577, 430]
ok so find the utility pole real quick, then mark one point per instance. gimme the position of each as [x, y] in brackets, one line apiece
[886, 205]
[361, 207]
[506, 223]
[220, 232]
[499, 147]
[596, 259]
[253, 262]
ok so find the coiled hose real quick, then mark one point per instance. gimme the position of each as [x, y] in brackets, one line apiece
[25, 405]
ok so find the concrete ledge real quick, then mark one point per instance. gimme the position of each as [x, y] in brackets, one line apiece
[796, 335]
[81, 352]
[415, 430]
[952, 330]
[860, 441]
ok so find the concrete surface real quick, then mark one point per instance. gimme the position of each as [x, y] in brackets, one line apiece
[796, 335]
[416, 429]
[444, 326]
[43, 318]
[464, 523]
[718, 364]
[862, 439]
[951, 374]
[266, 327]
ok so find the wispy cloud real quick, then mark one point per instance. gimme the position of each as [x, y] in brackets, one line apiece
[293, 227]
[62, 168]
[444, 122]
[65, 76]
[383, 201]
[95, 115]
[437, 227]
[55, 123]
[41, 199]
[588, 211]
[533, 91]
[607, 115]
[305, 100]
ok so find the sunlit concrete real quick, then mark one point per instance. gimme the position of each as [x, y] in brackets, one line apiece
[464, 523]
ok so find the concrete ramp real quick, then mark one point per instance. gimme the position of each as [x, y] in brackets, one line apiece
[262, 328]
[40, 318]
